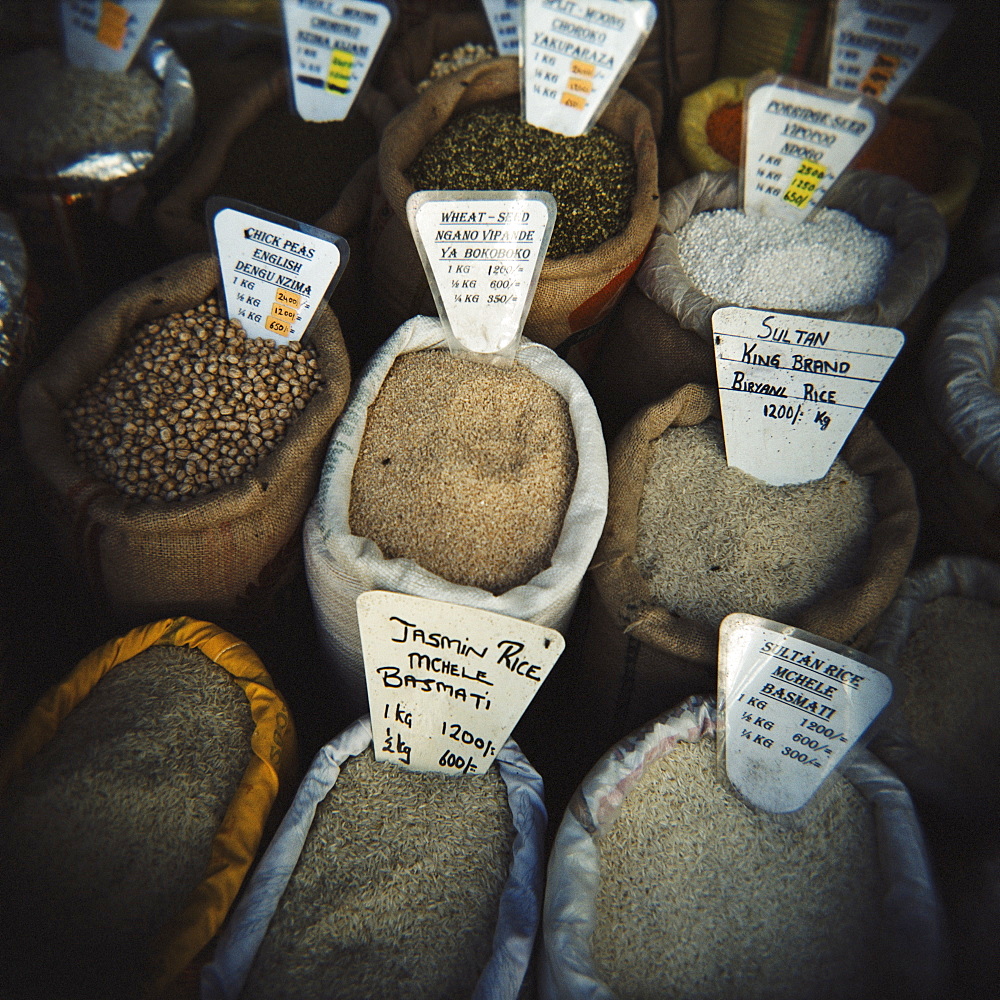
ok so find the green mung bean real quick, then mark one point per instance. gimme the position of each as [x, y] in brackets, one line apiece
[491, 148]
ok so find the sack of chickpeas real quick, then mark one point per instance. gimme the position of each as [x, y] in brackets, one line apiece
[132, 804]
[181, 454]
[457, 481]
[384, 882]
[466, 133]
[869, 256]
[689, 540]
[663, 885]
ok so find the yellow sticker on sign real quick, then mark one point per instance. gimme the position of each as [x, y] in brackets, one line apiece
[338, 77]
[573, 101]
[579, 84]
[807, 178]
[287, 298]
[277, 325]
[578, 68]
[113, 25]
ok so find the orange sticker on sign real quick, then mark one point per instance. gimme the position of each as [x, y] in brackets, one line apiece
[573, 101]
[880, 75]
[113, 25]
[582, 68]
[580, 85]
[292, 299]
[277, 325]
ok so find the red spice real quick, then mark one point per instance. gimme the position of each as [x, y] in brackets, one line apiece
[906, 146]
[724, 131]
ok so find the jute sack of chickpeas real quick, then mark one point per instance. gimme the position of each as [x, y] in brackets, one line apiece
[132, 804]
[466, 133]
[457, 481]
[384, 882]
[663, 885]
[869, 256]
[181, 454]
[689, 540]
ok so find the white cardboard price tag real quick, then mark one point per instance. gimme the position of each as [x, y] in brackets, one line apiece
[573, 56]
[332, 44]
[102, 35]
[448, 683]
[877, 44]
[505, 23]
[793, 387]
[482, 252]
[275, 270]
[793, 705]
[798, 141]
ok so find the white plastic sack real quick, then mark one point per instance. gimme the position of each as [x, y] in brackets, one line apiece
[341, 566]
[958, 373]
[520, 903]
[910, 905]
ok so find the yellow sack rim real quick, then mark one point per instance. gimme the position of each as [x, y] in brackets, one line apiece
[235, 843]
[692, 123]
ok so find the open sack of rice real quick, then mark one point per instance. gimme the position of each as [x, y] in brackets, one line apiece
[181, 454]
[942, 633]
[383, 882]
[466, 133]
[663, 884]
[689, 540]
[132, 803]
[961, 367]
[868, 256]
[456, 481]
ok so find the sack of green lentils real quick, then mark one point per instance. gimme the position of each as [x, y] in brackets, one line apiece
[961, 380]
[383, 882]
[180, 454]
[132, 804]
[689, 540]
[246, 155]
[662, 884]
[455, 481]
[869, 257]
[459, 135]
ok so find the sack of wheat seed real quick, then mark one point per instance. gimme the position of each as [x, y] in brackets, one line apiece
[132, 803]
[689, 540]
[455, 481]
[604, 183]
[383, 882]
[662, 884]
[877, 243]
[181, 455]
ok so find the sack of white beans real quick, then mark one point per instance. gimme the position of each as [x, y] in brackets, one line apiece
[662, 884]
[383, 882]
[132, 803]
[459, 482]
[869, 256]
[182, 454]
[961, 367]
[689, 540]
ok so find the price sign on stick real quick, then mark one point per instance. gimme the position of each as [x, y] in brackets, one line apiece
[574, 54]
[792, 705]
[505, 23]
[482, 252]
[793, 387]
[332, 44]
[877, 44]
[799, 139]
[99, 34]
[275, 271]
[448, 683]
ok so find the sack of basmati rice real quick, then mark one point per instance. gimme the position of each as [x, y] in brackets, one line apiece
[662, 884]
[132, 804]
[383, 882]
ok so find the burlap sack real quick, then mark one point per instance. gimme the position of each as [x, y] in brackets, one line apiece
[677, 336]
[410, 59]
[642, 655]
[573, 292]
[210, 554]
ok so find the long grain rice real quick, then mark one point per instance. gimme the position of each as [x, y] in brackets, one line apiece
[701, 898]
[107, 829]
[714, 540]
[465, 468]
[396, 891]
[951, 662]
